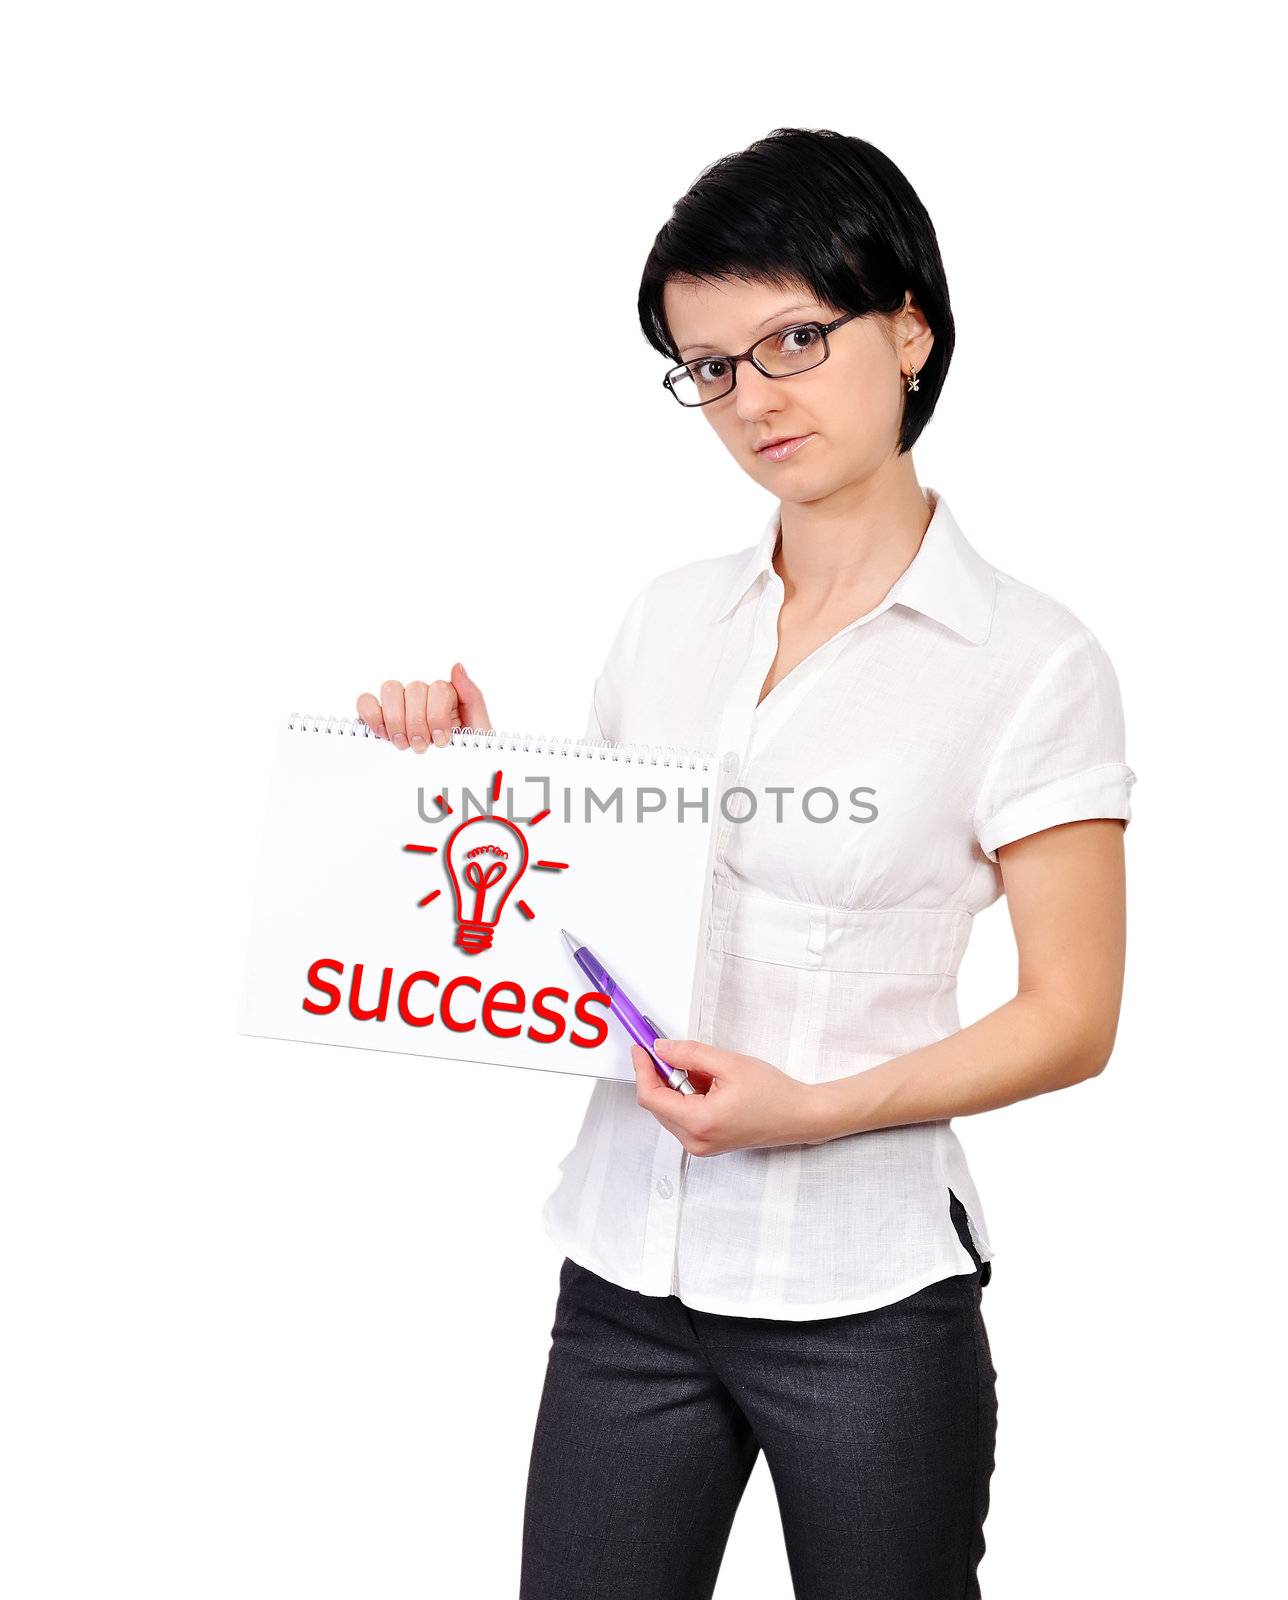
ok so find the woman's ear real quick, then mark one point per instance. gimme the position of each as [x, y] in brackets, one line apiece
[915, 336]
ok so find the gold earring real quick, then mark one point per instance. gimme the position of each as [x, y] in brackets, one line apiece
[913, 381]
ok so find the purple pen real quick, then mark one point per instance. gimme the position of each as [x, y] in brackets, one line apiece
[644, 1033]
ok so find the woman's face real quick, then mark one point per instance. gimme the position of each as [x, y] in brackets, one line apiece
[848, 410]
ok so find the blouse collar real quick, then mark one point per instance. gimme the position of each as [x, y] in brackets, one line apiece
[947, 580]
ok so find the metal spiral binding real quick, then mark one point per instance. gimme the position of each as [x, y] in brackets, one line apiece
[555, 744]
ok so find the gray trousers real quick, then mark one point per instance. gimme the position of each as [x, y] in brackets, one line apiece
[878, 1428]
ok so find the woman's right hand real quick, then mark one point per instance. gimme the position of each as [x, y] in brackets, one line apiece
[412, 717]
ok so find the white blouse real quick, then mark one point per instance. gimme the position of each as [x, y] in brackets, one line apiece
[881, 775]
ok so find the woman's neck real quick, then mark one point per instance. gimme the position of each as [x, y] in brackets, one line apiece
[846, 553]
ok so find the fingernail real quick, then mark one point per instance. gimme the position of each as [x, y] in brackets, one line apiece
[418, 744]
[662, 1044]
[440, 736]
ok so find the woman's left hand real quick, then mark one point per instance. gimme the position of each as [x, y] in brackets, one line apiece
[741, 1101]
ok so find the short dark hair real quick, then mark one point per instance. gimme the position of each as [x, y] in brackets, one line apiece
[811, 206]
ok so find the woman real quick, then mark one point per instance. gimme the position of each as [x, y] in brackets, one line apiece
[792, 1259]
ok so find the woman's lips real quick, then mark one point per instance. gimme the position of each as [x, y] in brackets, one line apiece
[789, 447]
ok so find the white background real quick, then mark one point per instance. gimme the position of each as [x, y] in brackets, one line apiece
[289, 297]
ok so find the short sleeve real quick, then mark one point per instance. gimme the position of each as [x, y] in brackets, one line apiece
[608, 697]
[1062, 756]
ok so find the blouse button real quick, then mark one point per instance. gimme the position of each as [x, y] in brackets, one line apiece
[665, 1188]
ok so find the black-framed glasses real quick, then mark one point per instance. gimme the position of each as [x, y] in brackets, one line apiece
[778, 355]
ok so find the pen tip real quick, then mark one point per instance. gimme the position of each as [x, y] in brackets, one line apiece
[571, 940]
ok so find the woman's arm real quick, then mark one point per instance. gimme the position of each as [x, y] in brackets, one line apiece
[1065, 888]
[1066, 893]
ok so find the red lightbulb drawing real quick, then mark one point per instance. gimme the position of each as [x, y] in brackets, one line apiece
[486, 856]
[484, 866]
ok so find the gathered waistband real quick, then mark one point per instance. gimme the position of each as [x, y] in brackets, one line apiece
[900, 939]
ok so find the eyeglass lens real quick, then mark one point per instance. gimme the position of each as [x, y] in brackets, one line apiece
[780, 354]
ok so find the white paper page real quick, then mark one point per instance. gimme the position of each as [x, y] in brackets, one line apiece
[338, 885]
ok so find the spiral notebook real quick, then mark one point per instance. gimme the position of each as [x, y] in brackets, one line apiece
[413, 903]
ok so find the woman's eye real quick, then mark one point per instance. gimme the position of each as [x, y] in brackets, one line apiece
[798, 339]
[710, 371]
